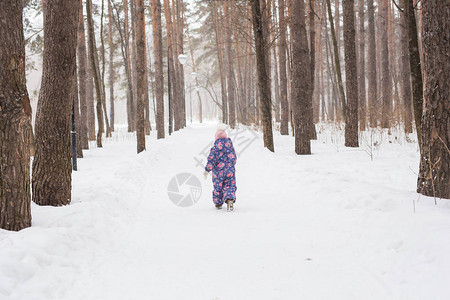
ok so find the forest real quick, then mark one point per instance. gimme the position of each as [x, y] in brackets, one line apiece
[338, 111]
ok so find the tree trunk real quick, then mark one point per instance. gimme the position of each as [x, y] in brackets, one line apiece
[96, 71]
[263, 78]
[337, 64]
[133, 60]
[414, 63]
[140, 68]
[90, 97]
[221, 64]
[405, 74]
[372, 66]
[194, 69]
[301, 89]
[434, 172]
[361, 68]
[385, 79]
[230, 80]
[284, 128]
[76, 116]
[82, 85]
[15, 122]
[52, 171]
[351, 75]
[111, 66]
[312, 51]
[171, 54]
[130, 94]
[159, 77]
[108, 130]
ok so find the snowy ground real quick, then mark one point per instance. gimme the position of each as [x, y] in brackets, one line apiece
[333, 225]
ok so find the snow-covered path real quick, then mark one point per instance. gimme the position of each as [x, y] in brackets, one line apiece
[333, 225]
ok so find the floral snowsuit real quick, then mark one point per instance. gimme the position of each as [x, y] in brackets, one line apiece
[221, 161]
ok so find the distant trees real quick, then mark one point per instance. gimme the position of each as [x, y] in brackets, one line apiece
[52, 173]
[15, 121]
[434, 172]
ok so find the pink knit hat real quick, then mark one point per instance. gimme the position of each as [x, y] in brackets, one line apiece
[221, 134]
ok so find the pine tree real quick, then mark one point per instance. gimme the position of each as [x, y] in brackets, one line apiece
[15, 121]
[434, 172]
[52, 172]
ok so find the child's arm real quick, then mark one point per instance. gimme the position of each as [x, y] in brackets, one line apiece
[234, 153]
[211, 160]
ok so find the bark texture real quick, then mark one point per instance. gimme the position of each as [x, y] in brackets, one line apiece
[301, 90]
[284, 129]
[52, 172]
[159, 77]
[405, 75]
[351, 74]
[362, 68]
[263, 78]
[415, 67]
[372, 66]
[15, 121]
[99, 91]
[434, 173]
[385, 76]
[140, 68]
[82, 55]
[112, 73]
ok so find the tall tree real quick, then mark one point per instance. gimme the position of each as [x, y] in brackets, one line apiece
[434, 172]
[231, 86]
[284, 130]
[111, 65]
[414, 62]
[130, 94]
[15, 121]
[361, 68]
[301, 90]
[141, 73]
[99, 91]
[405, 73]
[52, 172]
[385, 75]
[337, 63]
[159, 77]
[312, 51]
[372, 65]
[81, 55]
[351, 74]
[263, 78]
[220, 55]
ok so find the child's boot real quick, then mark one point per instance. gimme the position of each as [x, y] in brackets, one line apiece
[230, 206]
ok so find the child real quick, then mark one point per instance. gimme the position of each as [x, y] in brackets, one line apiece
[221, 161]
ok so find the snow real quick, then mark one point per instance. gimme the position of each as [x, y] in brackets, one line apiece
[332, 225]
